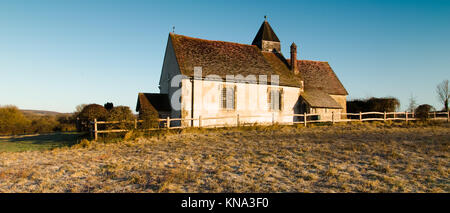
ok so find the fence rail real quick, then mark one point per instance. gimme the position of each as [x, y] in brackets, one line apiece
[301, 119]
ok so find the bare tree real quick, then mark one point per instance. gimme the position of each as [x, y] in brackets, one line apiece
[443, 93]
[412, 103]
[79, 108]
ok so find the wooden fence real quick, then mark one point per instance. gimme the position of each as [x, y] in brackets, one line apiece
[296, 119]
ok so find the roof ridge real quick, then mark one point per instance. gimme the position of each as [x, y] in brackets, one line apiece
[202, 39]
[312, 61]
[306, 60]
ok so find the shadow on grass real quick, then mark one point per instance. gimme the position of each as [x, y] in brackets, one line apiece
[41, 142]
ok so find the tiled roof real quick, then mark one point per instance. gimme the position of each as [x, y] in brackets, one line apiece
[281, 67]
[228, 58]
[319, 75]
[159, 102]
[318, 98]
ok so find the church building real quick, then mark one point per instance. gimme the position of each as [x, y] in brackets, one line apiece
[210, 78]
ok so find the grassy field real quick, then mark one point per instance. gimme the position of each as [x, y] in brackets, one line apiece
[38, 142]
[343, 158]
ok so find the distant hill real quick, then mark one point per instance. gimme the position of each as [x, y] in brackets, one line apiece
[42, 112]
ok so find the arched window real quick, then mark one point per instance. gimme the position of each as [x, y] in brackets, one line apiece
[227, 98]
[275, 99]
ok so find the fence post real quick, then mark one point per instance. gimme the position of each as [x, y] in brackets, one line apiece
[135, 123]
[448, 116]
[360, 116]
[304, 118]
[406, 116]
[199, 121]
[394, 116]
[237, 120]
[95, 129]
[168, 122]
[385, 116]
[332, 117]
[78, 125]
[434, 115]
[273, 118]
[90, 128]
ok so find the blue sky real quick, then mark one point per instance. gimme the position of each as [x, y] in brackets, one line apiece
[57, 54]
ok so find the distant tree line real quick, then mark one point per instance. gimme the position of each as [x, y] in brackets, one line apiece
[373, 104]
[389, 104]
[13, 122]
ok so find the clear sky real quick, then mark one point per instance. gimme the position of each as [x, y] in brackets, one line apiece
[57, 54]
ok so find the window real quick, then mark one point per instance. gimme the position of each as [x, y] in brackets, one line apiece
[227, 98]
[275, 99]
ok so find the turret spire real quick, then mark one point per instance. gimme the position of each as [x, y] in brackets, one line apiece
[266, 39]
